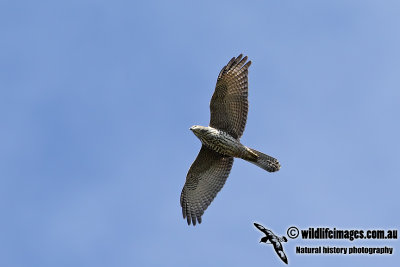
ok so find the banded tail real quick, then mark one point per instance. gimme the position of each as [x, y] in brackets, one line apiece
[264, 161]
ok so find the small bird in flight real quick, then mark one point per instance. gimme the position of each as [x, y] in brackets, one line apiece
[274, 240]
[221, 142]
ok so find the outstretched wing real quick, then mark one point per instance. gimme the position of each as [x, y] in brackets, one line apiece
[262, 228]
[205, 178]
[229, 104]
[279, 250]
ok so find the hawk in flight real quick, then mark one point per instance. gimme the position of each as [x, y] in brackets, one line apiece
[221, 142]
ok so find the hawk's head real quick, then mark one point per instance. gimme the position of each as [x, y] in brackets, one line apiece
[198, 130]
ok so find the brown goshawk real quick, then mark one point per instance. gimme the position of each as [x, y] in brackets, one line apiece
[221, 142]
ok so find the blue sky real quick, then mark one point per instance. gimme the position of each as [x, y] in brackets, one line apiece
[96, 101]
